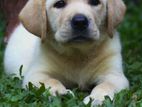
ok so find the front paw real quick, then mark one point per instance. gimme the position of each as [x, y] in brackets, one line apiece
[95, 101]
[56, 87]
[61, 90]
[57, 90]
[96, 98]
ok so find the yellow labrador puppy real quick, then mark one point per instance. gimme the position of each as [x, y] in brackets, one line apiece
[69, 43]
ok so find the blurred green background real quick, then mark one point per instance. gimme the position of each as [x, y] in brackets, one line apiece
[131, 35]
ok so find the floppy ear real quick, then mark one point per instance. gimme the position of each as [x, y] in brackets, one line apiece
[116, 12]
[34, 18]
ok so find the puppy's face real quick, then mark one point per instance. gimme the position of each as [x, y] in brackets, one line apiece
[72, 21]
[76, 21]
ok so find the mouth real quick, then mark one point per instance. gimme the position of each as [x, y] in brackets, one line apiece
[80, 39]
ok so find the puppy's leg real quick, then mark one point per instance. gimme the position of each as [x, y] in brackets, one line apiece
[111, 84]
[41, 77]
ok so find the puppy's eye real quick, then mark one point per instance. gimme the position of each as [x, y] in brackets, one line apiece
[60, 4]
[94, 2]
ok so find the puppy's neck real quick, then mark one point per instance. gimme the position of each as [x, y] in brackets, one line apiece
[71, 54]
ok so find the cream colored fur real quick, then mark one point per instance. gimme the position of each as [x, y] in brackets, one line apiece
[60, 65]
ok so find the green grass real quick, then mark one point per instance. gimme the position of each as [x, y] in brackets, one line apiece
[12, 95]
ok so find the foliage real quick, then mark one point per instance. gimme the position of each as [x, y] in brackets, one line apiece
[11, 93]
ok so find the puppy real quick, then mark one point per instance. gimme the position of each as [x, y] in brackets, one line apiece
[69, 43]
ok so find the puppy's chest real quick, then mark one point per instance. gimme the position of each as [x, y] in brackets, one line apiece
[72, 74]
[76, 70]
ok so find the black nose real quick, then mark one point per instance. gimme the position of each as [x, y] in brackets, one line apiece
[79, 22]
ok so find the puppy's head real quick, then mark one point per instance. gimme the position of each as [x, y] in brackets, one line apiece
[72, 21]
